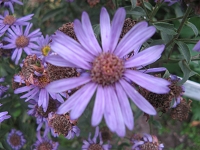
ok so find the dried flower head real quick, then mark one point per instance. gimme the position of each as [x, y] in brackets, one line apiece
[92, 3]
[106, 134]
[61, 124]
[16, 139]
[146, 142]
[68, 29]
[181, 111]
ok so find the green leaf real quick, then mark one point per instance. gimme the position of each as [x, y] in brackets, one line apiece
[137, 11]
[166, 75]
[165, 27]
[133, 3]
[186, 71]
[184, 50]
[52, 13]
[193, 27]
[156, 124]
[148, 6]
[122, 145]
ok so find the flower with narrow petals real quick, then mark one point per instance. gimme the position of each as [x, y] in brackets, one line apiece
[19, 41]
[7, 21]
[146, 142]
[43, 143]
[9, 3]
[3, 89]
[16, 139]
[3, 115]
[92, 144]
[197, 47]
[108, 75]
[170, 2]
[44, 47]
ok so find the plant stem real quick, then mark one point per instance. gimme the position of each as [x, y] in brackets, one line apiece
[145, 9]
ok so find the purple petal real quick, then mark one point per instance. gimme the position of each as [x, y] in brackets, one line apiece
[134, 38]
[138, 99]
[197, 47]
[152, 70]
[23, 89]
[145, 57]
[58, 61]
[99, 105]
[83, 101]
[63, 85]
[109, 113]
[18, 56]
[87, 28]
[125, 107]
[116, 27]
[149, 82]
[105, 29]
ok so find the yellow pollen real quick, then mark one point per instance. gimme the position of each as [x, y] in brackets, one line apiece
[45, 50]
[9, 20]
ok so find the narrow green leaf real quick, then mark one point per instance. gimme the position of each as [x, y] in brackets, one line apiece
[165, 27]
[137, 11]
[167, 74]
[193, 27]
[52, 13]
[148, 6]
[186, 71]
[133, 3]
[156, 124]
[184, 50]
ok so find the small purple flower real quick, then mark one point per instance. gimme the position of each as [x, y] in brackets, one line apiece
[9, 3]
[145, 142]
[107, 74]
[3, 115]
[170, 2]
[39, 92]
[19, 41]
[43, 143]
[197, 47]
[7, 21]
[16, 139]
[93, 144]
[69, 0]
[3, 89]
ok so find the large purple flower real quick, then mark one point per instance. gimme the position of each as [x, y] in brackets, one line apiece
[108, 74]
[197, 47]
[9, 3]
[3, 115]
[7, 21]
[19, 41]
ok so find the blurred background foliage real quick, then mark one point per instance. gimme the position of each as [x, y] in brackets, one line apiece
[49, 15]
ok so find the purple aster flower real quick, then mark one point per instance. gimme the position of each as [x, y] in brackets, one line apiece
[38, 90]
[170, 2]
[7, 21]
[197, 47]
[9, 3]
[146, 142]
[43, 143]
[3, 89]
[107, 73]
[3, 115]
[69, 0]
[16, 139]
[19, 40]
[92, 144]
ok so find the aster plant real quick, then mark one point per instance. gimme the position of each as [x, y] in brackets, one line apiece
[4, 115]
[20, 40]
[10, 3]
[107, 72]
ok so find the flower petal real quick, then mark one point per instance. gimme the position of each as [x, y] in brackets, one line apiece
[138, 99]
[149, 82]
[125, 106]
[99, 105]
[145, 57]
[83, 101]
[63, 85]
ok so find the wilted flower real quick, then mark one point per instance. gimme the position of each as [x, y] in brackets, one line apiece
[146, 142]
[92, 144]
[197, 47]
[61, 124]
[43, 143]
[16, 139]
[9, 3]
[19, 41]
[7, 21]
[3, 115]
[107, 72]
